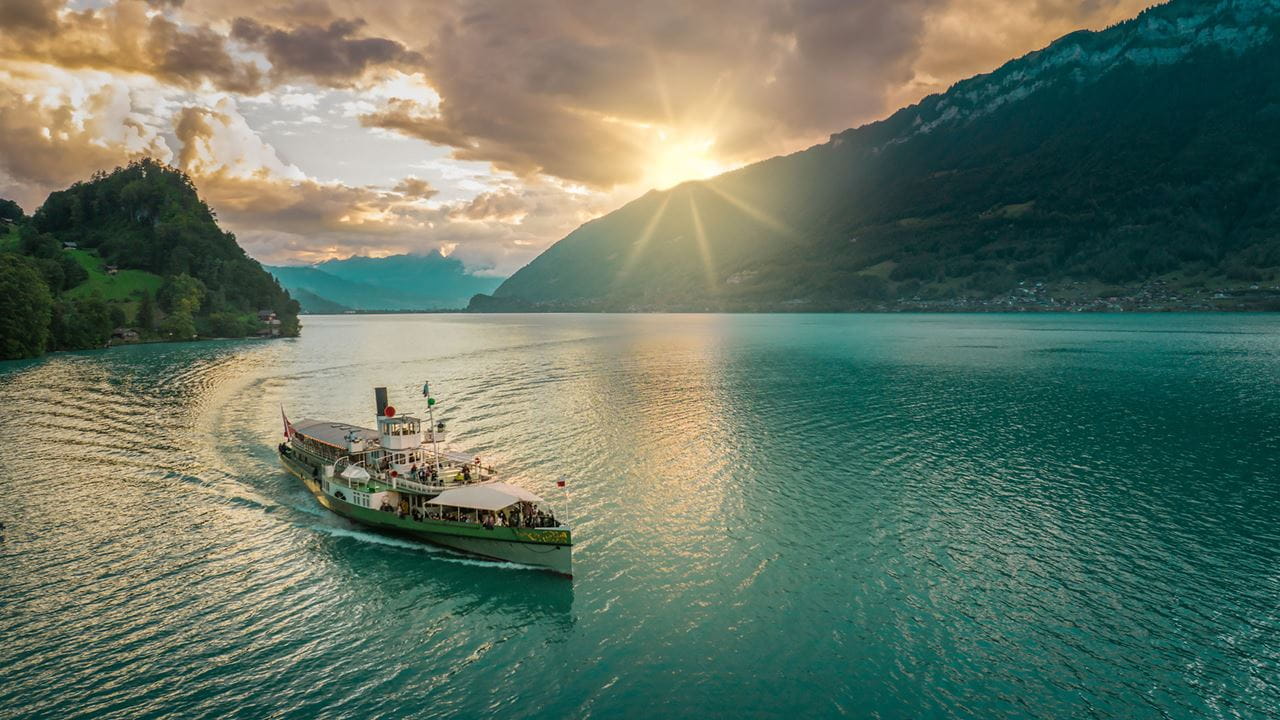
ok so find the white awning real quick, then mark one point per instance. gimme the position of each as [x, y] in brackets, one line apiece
[355, 472]
[514, 490]
[494, 496]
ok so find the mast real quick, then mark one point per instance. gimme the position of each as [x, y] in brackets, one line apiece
[431, 417]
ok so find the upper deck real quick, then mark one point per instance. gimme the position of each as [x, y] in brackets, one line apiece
[410, 463]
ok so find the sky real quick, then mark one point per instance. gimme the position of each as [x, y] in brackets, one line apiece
[321, 129]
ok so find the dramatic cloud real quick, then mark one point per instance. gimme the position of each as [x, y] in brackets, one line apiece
[331, 55]
[26, 15]
[126, 37]
[592, 92]
[58, 127]
[607, 93]
[487, 129]
[218, 141]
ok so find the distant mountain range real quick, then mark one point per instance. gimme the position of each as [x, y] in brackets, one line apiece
[1142, 161]
[398, 282]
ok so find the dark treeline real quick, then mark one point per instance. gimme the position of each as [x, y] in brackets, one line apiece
[193, 280]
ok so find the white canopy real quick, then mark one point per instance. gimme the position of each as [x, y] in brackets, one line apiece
[355, 472]
[514, 490]
[492, 496]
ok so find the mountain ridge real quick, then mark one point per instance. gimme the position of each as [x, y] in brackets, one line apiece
[1099, 164]
[393, 283]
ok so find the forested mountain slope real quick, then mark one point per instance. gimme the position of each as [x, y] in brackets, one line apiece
[1144, 158]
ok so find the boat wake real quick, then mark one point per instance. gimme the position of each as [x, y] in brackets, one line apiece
[438, 553]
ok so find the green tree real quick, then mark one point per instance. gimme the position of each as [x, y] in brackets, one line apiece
[11, 211]
[25, 308]
[181, 293]
[178, 326]
[80, 324]
[73, 273]
[227, 325]
[54, 277]
[146, 316]
[181, 296]
[33, 243]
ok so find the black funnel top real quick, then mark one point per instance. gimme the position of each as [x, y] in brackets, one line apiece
[380, 395]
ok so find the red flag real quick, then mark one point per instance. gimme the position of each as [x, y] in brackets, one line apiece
[560, 483]
[288, 427]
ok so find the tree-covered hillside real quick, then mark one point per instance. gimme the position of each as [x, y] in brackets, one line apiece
[1146, 155]
[136, 250]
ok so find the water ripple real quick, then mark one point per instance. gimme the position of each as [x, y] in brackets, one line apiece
[892, 516]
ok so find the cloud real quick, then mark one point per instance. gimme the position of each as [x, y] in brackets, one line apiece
[580, 90]
[124, 37]
[58, 127]
[284, 222]
[548, 114]
[149, 37]
[593, 92]
[303, 100]
[280, 215]
[22, 15]
[498, 205]
[330, 54]
[416, 188]
[217, 141]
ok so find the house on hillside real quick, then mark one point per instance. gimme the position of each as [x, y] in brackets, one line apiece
[67, 245]
[112, 269]
[124, 335]
[270, 321]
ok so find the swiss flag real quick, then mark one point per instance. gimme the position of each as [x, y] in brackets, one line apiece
[560, 483]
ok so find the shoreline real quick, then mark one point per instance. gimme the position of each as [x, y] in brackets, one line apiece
[110, 346]
[879, 309]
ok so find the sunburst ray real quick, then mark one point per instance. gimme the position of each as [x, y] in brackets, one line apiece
[704, 247]
[641, 242]
[757, 214]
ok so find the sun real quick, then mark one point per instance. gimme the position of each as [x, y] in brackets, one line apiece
[677, 157]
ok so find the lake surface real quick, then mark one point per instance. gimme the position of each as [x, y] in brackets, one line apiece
[898, 516]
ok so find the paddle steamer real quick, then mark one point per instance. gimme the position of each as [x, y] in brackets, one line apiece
[396, 478]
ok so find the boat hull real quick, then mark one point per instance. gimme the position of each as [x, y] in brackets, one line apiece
[550, 548]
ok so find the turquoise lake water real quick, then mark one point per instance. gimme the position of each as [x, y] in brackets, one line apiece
[896, 516]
